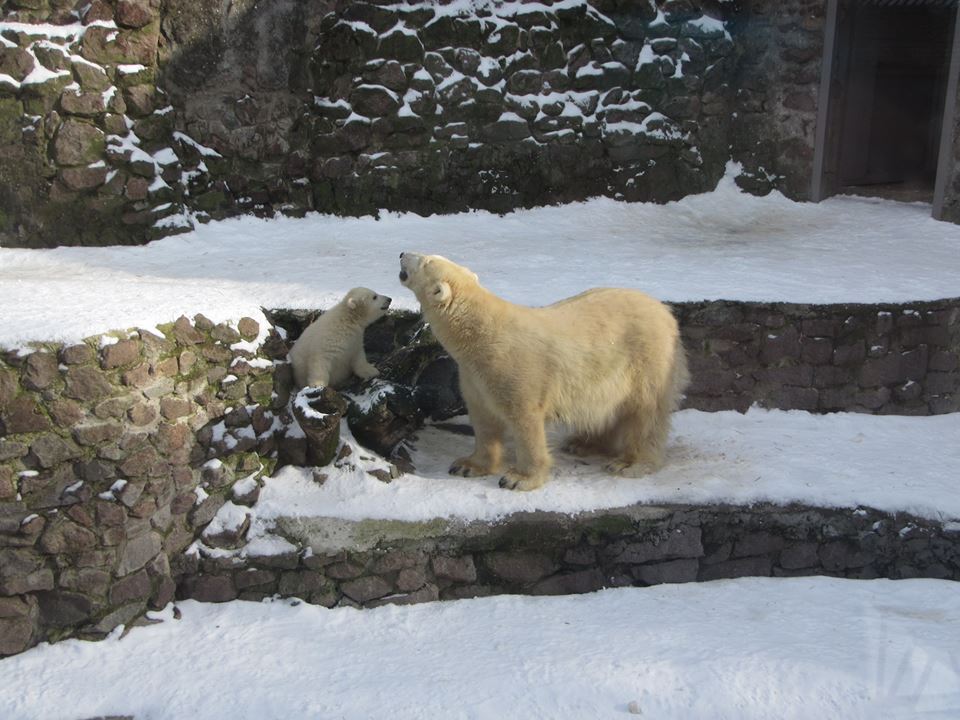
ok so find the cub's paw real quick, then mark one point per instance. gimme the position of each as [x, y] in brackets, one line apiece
[513, 480]
[367, 373]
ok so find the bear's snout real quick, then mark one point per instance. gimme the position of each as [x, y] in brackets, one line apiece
[403, 276]
[386, 303]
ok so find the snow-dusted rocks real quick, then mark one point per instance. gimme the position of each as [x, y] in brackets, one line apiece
[82, 96]
[107, 441]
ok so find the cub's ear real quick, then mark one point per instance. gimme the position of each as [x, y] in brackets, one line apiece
[352, 303]
[441, 293]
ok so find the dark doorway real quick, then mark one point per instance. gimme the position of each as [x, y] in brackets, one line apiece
[891, 62]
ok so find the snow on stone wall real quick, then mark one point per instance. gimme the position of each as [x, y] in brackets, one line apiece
[130, 120]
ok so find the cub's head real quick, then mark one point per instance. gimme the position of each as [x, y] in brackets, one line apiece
[365, 304]
[435, 280]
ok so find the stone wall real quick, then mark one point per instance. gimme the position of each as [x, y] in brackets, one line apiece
[780, 46]
[113, 452]
[139, 118]
[374, 563]
[887, 359]
[117, 453]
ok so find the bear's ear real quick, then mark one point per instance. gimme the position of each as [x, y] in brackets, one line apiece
[441, 293]
[352, 303]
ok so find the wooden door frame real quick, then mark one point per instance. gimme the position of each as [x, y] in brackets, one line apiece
[818, 190]
[944, 164]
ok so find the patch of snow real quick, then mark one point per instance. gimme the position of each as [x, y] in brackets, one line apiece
[245, 486]
[202, 149]
[723, 457]
[229, 518]
[749, 648]
[724, 244]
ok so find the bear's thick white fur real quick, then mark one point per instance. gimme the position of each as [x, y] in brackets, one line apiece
[608, 364]
[331, 348]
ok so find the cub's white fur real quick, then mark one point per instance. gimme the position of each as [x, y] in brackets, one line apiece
[608, 364]
[331, 348]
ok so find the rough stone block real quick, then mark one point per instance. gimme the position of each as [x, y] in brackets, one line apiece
[133, 587]
[208, 588]
[23, 415]
[456, 569]
[367, 588]
[64, 609]
[138, 552]
[573, 583]
[841, 555]
[427, 593]
[87, 384]
[519, 567]
[78, 143]
[254, 578]
[757, 543]
[51, 450]
[799, 555]
[742, 567]
[681, 542]
[673, 571]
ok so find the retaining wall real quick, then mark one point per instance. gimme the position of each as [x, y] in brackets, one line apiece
[116, 454]
[136, 119]
[885, 358]
[371, 562]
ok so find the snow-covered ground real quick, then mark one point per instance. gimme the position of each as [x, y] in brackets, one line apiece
[719, 245]
[844, 460]
[750, 648]
[728, 650]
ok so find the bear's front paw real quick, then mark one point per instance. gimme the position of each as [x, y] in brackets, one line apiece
[517, 481]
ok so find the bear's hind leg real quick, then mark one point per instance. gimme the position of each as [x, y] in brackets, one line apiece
[533, 457]
[586, 444]
[642, 440]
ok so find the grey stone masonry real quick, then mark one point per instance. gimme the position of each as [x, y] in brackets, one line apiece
[197, 109]
[369, 563]
[116, 454]
[777, 80]
[889, 359]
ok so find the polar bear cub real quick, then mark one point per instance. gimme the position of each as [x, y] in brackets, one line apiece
[608, 364]
[331, 348]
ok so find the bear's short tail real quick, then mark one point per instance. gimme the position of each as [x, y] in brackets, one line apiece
[680, 380]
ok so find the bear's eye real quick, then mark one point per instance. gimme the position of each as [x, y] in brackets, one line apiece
[374, 297]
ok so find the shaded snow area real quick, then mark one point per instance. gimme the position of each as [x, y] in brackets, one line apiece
[745, 649]
[890, 463]
[719, 245]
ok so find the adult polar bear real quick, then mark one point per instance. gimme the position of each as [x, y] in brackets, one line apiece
[607, 363]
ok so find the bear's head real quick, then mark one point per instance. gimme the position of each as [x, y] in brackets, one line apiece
[434, 279]
[366, 305]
